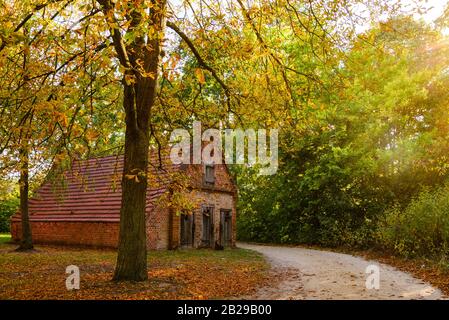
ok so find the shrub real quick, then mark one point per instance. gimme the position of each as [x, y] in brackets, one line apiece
[7, 208]
[421, 229]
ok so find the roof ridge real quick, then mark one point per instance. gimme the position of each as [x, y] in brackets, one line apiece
[151, 148]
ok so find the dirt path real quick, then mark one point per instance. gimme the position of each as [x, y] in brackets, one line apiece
[315, 274]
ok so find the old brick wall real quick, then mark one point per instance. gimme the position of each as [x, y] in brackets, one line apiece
[175, 236]
[96, 234]
[158, 228]
[223, 180]
[222, 194]
[217, 200]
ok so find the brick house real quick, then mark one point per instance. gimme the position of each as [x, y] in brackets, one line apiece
[84, 208]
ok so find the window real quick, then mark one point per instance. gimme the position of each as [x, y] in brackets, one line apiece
[209, 174]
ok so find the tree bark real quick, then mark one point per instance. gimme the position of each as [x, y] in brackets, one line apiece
[26, 243]
[132, 251]
[139, 96]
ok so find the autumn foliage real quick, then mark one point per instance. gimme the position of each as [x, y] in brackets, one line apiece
[189, 274]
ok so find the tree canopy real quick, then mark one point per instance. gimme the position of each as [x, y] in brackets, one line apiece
[359, 91]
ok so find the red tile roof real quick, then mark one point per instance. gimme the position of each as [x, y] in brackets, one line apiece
[91, 191]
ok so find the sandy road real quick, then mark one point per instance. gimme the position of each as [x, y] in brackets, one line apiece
[316, 274]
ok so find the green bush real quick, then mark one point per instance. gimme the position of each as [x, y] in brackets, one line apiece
[7, 208]
[421, 229]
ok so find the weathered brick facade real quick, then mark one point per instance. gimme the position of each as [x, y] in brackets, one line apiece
[89, 213]
[95, 234]
[219, 196]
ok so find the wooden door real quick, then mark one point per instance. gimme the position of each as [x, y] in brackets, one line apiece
[187, 230]
[207, 227]
[225, 228]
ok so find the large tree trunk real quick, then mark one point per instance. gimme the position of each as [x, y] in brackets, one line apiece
[139, 95]
[26, 242]
[132, 251]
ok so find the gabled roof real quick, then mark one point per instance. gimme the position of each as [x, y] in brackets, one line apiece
[91, 191]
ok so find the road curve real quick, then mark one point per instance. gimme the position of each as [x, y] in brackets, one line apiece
[316, 274]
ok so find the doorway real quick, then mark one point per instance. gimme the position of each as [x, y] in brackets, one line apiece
[207, 230]
[187, 229]
[226, 228]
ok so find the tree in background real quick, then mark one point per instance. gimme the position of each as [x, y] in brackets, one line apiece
[375, 140]
[9, 203]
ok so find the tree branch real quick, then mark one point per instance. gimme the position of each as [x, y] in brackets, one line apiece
[203, 64]
[272, 55]
[197, 55]
[115, 34]
[27, 18]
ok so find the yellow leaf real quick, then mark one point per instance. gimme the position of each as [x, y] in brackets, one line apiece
[200, 75]
[91, 135]
[130, 79]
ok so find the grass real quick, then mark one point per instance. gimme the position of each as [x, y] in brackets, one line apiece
[181, 274]
[5, 237]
